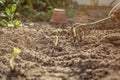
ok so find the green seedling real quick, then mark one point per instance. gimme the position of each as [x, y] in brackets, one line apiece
[56, 38]
[16, 51]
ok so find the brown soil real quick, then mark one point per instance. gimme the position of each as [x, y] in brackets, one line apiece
[97, 57]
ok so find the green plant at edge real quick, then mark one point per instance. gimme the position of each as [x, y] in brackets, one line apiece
[16, 51]
[9, 15]
[56, 38]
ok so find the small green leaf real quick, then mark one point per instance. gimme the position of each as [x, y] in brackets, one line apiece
[4, 23]
[13, 8]
[43, 4]
[7, 10]
[16, 50]
[49, 7]
[16, 22]
[56, 32]
[2, 15]
[11, 25]
[17, 14]
[1, 2]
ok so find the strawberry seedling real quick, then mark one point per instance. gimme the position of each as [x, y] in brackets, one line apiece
[16, 51]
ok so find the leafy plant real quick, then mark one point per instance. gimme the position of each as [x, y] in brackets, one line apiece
[16, 51]
[8, 17]
[42, 9]
[37, 9]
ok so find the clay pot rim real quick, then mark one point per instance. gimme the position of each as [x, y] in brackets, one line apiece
[58, 9]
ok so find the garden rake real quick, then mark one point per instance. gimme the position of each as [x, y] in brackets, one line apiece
[77, 32]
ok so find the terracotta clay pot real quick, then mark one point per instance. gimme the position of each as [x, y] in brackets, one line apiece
[59, 16]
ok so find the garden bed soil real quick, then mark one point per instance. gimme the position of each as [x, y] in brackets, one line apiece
[97, 57]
